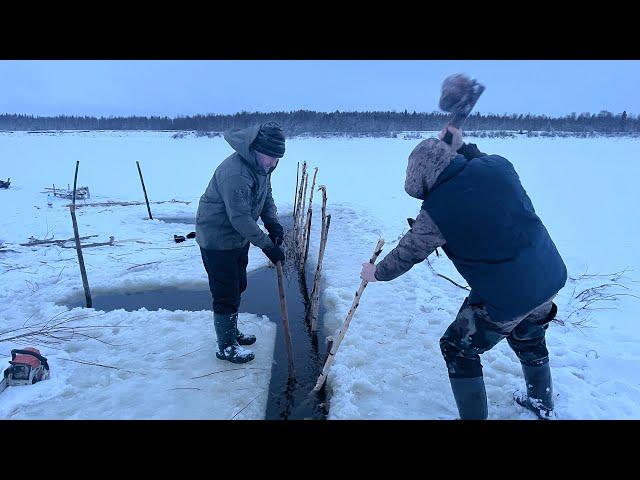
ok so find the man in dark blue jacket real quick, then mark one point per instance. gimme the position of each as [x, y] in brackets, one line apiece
[476, 209]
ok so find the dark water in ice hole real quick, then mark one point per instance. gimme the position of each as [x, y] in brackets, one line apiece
[288, 398]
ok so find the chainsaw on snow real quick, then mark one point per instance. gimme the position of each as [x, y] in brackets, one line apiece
[27, 367]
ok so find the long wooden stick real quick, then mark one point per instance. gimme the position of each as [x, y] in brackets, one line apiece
[83, 271]
[315, 292]
[305, 180]
[307, 229]
[345, 325]
[329, 345]
[285, 316]
[111, 203]
[144, 190]
[296, 216]
[295, 196]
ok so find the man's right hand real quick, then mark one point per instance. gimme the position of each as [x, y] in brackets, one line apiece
[456, 133]
[275, 254]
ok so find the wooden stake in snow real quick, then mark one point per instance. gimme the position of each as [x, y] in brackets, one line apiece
[83, 271]
[315, 291]
[329, 345]
[285, 316]
[295, 196]
[336, 344]
[307, 229]
[144, 190]
[299, 200]
[324, 231]
[301, 213]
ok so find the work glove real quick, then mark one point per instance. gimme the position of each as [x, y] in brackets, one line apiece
[470, 151]
[451, 136]
[276, 233]
[275, 254]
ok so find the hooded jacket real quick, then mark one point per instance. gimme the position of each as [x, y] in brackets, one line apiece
[238, 194]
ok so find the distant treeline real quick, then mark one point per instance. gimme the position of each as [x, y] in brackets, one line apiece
[311, 122]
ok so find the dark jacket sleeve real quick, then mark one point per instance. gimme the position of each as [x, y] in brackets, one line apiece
[236, 194]
[416, 245]
[269, 211]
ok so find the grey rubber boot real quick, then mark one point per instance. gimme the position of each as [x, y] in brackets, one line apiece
[539, 396]
[471, 397]
[241, 338]
[228, 347]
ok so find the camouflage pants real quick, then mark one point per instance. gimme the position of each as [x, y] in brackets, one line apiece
[473, 332]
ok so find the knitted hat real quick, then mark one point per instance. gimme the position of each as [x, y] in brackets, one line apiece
[270, 140]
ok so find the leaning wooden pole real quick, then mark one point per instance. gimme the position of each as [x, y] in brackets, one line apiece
[296, 222]
[307, 229]
[336, 344]
[301, 213]
[285, 316]
[83, 271]
[144, 190]
[295, 196]
[315, 292]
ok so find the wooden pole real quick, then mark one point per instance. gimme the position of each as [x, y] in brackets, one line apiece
[329, 345]
[356, 301]
[296, 223]
[83, 271]
[295, 197]
[315, 291]
[285, 316]
[144, 190]
[307, 230]
[302, 216]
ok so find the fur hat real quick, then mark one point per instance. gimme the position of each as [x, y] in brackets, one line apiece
[426, 162]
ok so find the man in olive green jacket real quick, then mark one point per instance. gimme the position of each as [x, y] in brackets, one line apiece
[238, 194]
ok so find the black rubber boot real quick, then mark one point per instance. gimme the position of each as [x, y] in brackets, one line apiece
[471, 397]
[228, 347]
[241, 338]
[539, 396]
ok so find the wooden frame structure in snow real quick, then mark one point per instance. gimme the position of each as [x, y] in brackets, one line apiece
[81, 193]
[301, 237]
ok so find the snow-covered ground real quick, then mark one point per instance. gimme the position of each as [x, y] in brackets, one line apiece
[389, 365]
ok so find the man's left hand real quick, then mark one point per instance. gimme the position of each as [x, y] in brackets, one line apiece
[276, 233]
[368, 272]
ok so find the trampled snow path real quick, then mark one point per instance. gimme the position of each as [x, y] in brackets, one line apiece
[389, 365]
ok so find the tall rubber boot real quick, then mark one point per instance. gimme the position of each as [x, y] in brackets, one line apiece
[241, 338]
[539, 396]
[228, 347]
[471, 397]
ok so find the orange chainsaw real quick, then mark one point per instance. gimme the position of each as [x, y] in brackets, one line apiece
[27, 367]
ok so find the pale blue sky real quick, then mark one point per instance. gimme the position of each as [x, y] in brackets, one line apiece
[173, 88]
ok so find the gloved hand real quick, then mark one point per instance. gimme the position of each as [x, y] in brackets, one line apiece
[455, 135]
[276, 233]
[275, 254]
[470, 151]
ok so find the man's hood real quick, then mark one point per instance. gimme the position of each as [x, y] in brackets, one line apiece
[241, 140]
[426, 162]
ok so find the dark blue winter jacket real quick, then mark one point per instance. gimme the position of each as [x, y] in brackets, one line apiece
[494, 237]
